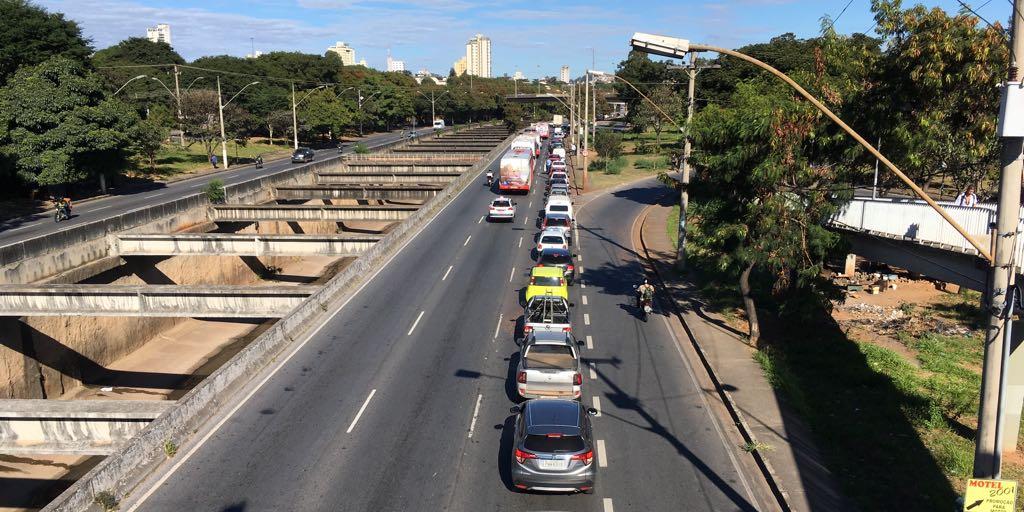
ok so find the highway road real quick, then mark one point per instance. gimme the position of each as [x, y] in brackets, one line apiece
[400, 401]
[23, 228]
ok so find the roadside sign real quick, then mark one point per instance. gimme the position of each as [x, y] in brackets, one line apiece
[990, 495]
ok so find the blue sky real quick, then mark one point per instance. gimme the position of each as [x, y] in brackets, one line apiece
[536, 37]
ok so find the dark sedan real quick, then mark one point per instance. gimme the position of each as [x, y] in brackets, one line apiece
[302, 155]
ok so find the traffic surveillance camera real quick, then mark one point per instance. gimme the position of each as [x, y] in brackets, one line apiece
[660, 45]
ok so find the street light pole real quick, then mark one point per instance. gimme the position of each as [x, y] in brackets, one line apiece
[119, 89]
[295, 114]
[586, 131]
[991, 412]
[223, 135]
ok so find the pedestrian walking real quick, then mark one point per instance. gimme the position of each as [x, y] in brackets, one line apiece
[967, 197]
[213, 160]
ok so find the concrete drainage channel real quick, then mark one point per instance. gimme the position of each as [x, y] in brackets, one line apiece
[127, 402]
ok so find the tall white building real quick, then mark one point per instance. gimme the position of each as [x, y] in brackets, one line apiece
[395, 64]
[563, 75]
[478, 56]
[159, 34]
[347, 54]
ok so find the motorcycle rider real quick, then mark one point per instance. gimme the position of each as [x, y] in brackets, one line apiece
[259, 161]
[644, 293]
[490, 178]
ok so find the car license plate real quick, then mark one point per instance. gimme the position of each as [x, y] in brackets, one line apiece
[552, 464]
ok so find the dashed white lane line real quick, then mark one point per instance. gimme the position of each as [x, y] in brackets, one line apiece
[597, 405]
[590, 343]
[498, 327]
[467, 240]
[608, 507]
[476, 412]
[593, 372]
[530, 205]
[602, 458]
[520, 241]
[526, 220]
[447, 272]
[361, 410]
[101, 208]
[582, 284]
[586, 318]
[23, 227]
[584, 300]
[511, 274]
[481, 219]
[581, 269]
[414, 324]
[149, 196]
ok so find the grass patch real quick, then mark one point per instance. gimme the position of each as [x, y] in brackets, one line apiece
[672, 226]
[172, 159]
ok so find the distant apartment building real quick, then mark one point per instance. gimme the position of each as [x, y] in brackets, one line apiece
[459, 66]
[395, 64]
[159, 34]
[478, 56]
[563, 75]
[346, 53]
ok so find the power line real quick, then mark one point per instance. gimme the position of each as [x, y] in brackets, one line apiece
[833, 23]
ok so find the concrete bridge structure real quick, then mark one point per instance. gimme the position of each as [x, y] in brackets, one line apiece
[309, 213]
[391, 192]
[329, 177]
[239, 244]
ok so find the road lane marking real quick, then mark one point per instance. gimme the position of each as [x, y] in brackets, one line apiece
[497, 327]
[520, 241]
[467, 240]
[590, 343]
[584, 300]
[23, 227]
[149, 196]
[602, 459]
[414, 324]
[476, 412]
[582, 284]
[363, 409]
[292, 351]
[447, 272]
[608, 507]
[526, 220]
[581, 269]
[597, 405]
[593, 372]
[481, 219]
[511, 274]
[101, 208]
[586, 318]
[530, 205]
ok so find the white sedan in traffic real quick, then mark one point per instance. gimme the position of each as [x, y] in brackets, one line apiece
[501, 208]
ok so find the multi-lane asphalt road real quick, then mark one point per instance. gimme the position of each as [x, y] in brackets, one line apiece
[400, 401]
[24, 228]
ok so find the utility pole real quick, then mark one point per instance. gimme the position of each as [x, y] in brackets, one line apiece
[177, 99]
[295, 119]
[586, 130]
[223, 136]
[987, 454]
[692, 70]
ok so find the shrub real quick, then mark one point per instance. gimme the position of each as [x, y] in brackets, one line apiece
[361, 148]
[644, 147]
[651, 163]
[614, 165]
[215, 192]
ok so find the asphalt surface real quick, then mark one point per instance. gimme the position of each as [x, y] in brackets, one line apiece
[401, 400]
[32, 226]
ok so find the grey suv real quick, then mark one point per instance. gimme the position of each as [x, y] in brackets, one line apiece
[553, 447]
[302, 155]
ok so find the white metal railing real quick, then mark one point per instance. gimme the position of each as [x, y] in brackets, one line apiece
[915, 220]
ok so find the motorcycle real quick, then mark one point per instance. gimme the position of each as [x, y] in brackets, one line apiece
[643, 305]
[62, 213]
[259, 162]
[490, 180]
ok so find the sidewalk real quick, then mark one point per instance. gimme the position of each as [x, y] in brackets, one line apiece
[791, 460]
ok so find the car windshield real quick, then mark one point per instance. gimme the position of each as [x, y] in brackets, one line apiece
[502, 204]
[558, 208]
[547, 281]
[554, 444]
[551, 239]
[555, 258]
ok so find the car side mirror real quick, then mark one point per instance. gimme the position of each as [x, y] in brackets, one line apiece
[572, 304]
[515, 409]
[591, 411]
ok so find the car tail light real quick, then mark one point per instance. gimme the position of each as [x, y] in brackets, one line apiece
[521, 456]
[554, 435]
[585, 458]
[538, 247]
[521, 378]
[569, 268]
[566, 329]
[577, 379]
[528, 329]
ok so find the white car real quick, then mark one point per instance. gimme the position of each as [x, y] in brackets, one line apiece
[561, 175]
[558, 204]
[562, 192]
[501, 208]
[552, 238]
[558, 166]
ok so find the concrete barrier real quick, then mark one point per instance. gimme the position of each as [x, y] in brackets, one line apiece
[359, 191]
[207, 301]
[242, 244]
[309, 213]
[324, 178]
[73, 427]
[123, 470]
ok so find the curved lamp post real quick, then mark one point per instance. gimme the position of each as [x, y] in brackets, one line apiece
[223, 136]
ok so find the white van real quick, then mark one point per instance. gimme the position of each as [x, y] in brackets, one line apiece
[438, 124]
[560, 205]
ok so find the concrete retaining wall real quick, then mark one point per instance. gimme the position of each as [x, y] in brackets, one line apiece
[123, 470]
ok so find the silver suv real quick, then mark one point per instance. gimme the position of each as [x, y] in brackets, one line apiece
[553, 447]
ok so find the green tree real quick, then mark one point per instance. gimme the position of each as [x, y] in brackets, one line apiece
[29, 35]
[137, 51]
[608, 144]
[668, 102]
[56, 127]
[146, 138]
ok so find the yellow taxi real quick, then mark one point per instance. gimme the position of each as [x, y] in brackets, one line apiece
[547, 281]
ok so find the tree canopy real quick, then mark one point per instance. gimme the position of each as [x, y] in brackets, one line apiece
[30, 35]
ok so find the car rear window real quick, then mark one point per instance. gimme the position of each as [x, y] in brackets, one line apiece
[560, 444]
[551, 239]
[502, 204]
[555, 258]
[547, 281]
[556, 222]
[558, 208]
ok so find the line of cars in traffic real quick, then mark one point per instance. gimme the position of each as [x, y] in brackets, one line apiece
[553, 448]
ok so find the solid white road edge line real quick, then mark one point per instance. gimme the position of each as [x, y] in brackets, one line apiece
[590, 343]
[360, 413]
[597, 403]
[476, 412]
[414, 324]
[602, 458]
[447, 272]
[295, 350]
